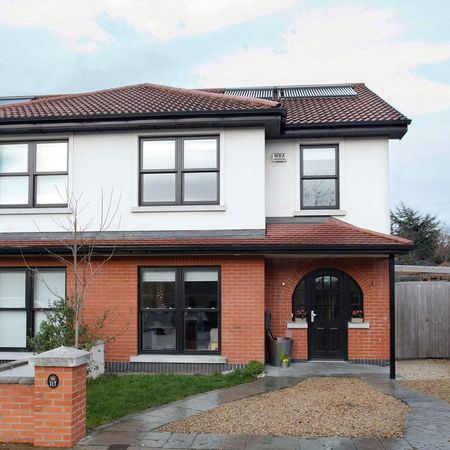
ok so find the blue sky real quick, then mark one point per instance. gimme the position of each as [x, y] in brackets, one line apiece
[401, 49]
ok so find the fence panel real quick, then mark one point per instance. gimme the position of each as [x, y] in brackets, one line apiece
[422, 319]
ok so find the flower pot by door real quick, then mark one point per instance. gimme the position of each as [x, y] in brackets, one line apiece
[297, 320]
[357, 320]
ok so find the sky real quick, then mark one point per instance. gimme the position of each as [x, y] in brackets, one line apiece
[399, 48]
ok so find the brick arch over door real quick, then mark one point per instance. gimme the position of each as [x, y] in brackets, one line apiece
[372, 276]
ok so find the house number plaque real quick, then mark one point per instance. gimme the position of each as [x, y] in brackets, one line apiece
[53, 381]
[279, 157]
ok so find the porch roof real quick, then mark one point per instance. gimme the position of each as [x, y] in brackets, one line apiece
[282, 235]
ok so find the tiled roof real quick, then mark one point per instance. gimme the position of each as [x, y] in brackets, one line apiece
[142, 99]
[137, 99]
[365, 106]
[321, 233]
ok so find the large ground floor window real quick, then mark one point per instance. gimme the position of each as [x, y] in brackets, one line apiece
[179, 309]
[25, 295]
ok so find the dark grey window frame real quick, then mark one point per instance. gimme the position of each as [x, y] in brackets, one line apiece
[180, 310]
[33, 175]
[179, 170]
[29, 299]
[320, 177]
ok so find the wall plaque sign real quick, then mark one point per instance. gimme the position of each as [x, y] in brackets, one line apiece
[279, 157]
[53, 381]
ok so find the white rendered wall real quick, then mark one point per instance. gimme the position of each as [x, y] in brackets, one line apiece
[109, 161]
[363, 180]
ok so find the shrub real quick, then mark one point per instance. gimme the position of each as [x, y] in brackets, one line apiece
[58, 328]
[251, 370]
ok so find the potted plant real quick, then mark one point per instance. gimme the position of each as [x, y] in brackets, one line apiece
[300, 316]
[357, 316]
[284, 360]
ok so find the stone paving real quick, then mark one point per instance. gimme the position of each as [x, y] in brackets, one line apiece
[427, 424]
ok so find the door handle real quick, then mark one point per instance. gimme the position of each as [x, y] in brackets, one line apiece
[313, 314]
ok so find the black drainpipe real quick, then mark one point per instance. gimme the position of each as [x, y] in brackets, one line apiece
[392, 315]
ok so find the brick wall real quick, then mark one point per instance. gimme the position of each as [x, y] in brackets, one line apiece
[372, 275]
[60, 414]
[31, 412]
[115, 289]
[16, 413]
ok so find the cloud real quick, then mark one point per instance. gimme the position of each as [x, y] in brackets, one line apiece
[338, 45]
[76, 22]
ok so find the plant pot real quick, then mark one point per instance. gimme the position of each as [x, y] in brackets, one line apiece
[357, 320]
[284, 365]
[298, 320]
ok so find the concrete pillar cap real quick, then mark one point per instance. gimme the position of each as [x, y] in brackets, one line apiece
[61, 357]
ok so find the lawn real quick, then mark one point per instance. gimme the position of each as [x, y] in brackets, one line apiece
[110, 396]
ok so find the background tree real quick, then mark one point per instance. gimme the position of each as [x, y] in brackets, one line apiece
[424, 229]
[64, 324]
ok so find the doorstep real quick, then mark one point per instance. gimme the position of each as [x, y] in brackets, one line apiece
[176, 359]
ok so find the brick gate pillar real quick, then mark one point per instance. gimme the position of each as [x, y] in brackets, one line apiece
[60, 397]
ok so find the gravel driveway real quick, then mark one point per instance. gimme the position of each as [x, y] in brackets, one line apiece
[429, 376]
[328, 406]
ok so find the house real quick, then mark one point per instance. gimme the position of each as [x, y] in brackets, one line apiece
[233, 203]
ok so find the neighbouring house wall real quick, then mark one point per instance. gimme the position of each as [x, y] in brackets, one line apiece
[115, 290]
[372, 275]
[109, 161]
[363, 182]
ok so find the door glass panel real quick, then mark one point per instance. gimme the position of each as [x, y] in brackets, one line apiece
[327, 298]
[12, 289]
[200, 288]
[158, 330]
[201, 331]
[158, 289]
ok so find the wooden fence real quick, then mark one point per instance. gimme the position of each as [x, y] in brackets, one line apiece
[422, 319]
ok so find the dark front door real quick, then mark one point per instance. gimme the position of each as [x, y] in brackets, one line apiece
[327, 315]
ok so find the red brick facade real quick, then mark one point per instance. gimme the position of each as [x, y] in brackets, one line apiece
[249, 286]
[372, 275]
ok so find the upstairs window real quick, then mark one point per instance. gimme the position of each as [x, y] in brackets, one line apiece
[33, 174]
[179, 171]
[319, 177]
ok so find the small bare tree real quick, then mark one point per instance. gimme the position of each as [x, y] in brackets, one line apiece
[80, 256]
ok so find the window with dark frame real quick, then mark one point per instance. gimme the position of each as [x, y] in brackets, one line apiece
[33, 174]
[25, 295]
[179, 309]
[319, 177]
[179, 171]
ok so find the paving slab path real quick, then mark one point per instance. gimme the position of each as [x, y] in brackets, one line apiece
[427, 425]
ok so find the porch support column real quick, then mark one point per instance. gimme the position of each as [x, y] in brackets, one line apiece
[392, 316]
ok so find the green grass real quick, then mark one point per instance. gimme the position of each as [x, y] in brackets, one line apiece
[110, 396]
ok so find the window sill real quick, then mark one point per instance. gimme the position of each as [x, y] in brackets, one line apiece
[202, 359]
[177, 208]
[359, 325]
[33, 211]
[296, 325]
[320, 212]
